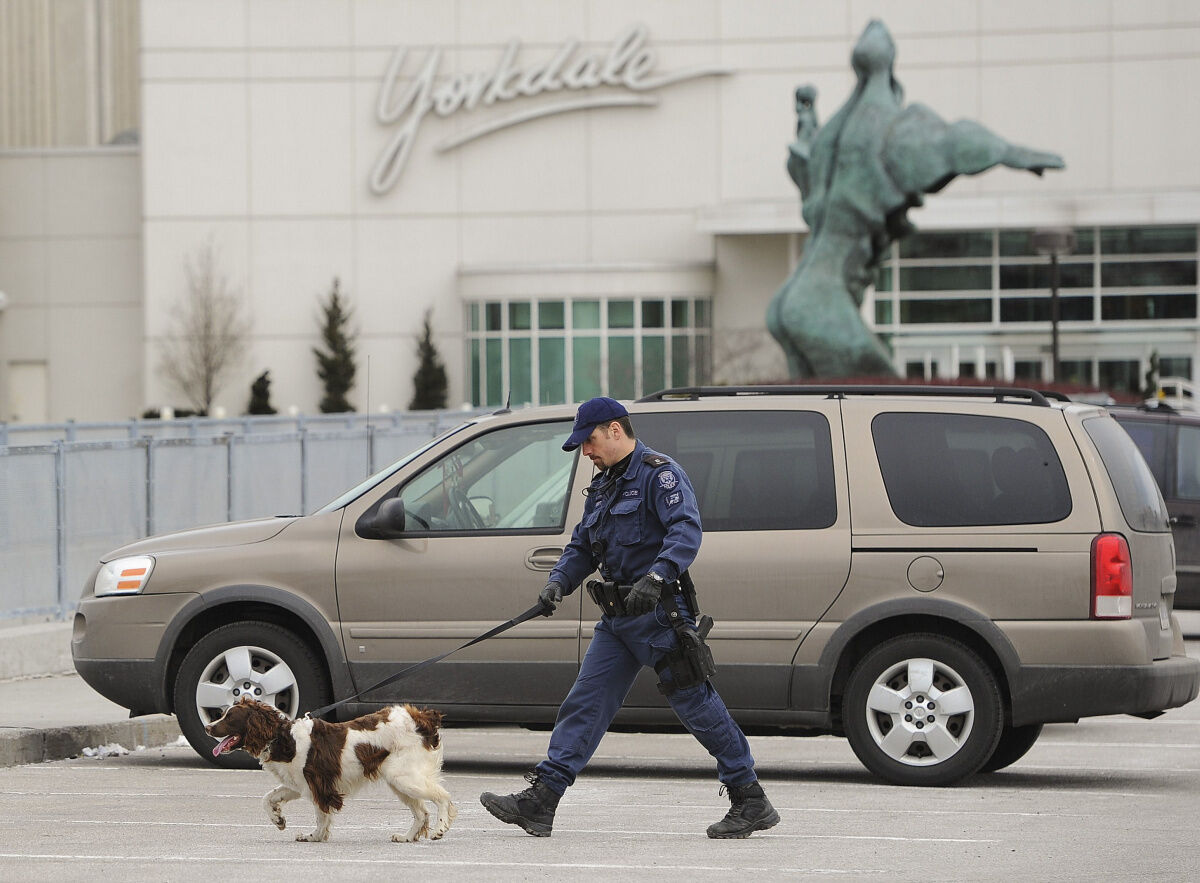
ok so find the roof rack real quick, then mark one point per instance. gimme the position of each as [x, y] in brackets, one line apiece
[1000, 393]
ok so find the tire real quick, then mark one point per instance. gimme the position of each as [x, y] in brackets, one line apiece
[1014, 744]
[279, 668]
[922, 710]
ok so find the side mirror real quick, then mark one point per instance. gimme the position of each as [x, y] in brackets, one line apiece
[384, 522]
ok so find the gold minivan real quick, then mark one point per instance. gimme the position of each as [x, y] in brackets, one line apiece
[933, 573]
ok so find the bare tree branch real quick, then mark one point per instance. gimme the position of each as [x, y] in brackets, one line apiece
[208, 332]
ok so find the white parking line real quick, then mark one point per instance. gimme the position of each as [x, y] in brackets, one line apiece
[326, 862]
[461, 828]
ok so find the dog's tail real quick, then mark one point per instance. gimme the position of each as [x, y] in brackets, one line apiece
[428, 723]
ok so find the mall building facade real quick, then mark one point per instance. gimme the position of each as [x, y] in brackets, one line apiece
[583, 197]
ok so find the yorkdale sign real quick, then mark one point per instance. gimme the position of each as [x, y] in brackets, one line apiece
[622, 76]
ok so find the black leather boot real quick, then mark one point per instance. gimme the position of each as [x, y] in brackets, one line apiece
[751, 811]
[532, 809]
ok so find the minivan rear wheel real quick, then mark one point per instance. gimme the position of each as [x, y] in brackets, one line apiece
[257, 659]
[922, 710]
[1014, 744]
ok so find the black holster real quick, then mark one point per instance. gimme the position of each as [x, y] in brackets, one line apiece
[691, 662]
[609, 596]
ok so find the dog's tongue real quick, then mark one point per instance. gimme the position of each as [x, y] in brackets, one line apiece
[224, 745]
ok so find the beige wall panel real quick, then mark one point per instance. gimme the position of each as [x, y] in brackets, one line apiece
[1048, 46]
[305, 65]
[292, 268]
[791, 56]
[199, 65]
[188, 24]
[775, 19]
[1154, 12]
[658, 158]
[23, 273]
[1154, 139]
[95, 194]
[538, 166]
[653, 238]
[96, 273]
[920, 17]
[95, 363]
[27, 332]
[23, 200]
[194, 154]
[404, 267]
[404, 22]
[1037, 15]
[527, 239]
[533, 22]
[663, 17]
[1072, 116]
[298, 23]
[300, 156]
[750, 270]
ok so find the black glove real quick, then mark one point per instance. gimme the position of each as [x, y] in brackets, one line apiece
[644, 594]
[550, 597]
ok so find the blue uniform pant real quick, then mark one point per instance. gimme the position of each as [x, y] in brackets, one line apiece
[620, 647]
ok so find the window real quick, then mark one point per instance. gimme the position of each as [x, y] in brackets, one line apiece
[1137, 493]
[1151, 439]
[555, 351]
[758, 470]
[513, 479]
[1187, 463]
[958, 470]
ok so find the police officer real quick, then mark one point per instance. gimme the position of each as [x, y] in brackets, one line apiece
[640, 527]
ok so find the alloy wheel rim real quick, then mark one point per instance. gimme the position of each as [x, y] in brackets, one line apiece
[246, 671]
[920, 712]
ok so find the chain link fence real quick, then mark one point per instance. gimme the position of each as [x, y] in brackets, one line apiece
[68, 496]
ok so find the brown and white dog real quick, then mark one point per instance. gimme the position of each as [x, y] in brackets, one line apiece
[328, 762]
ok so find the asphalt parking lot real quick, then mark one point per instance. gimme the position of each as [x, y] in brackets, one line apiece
[1112, 798]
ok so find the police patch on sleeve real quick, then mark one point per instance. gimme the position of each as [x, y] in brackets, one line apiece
[667, 479]
[672, 499]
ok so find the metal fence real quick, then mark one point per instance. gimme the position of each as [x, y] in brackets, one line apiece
[68, 495]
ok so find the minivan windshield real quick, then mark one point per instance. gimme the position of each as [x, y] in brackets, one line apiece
[1137, 491]
[362, 487]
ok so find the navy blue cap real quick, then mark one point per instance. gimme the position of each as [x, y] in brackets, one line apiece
[591, 414]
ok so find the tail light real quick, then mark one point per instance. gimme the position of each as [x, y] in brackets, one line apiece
[1112, 577]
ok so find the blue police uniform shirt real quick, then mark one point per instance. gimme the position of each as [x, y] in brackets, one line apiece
[647, 519]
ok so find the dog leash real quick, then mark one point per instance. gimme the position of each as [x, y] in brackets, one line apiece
[538, 609]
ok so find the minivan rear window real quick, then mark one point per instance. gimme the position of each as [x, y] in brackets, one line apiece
[962, 470]
[1137, 492]
[753, 470]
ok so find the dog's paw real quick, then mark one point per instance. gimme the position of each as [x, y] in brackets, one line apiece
[401, 838]
[314, 837]
[279, 821]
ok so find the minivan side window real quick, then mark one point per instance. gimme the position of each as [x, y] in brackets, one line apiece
[753, 470]
[513, 479]
[1187, 463]
[1152, 439]
[959, 470]
[1138, 495]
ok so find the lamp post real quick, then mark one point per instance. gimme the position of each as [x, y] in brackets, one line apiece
[1053, 241]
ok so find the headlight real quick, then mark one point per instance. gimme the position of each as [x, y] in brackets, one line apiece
[124, 576]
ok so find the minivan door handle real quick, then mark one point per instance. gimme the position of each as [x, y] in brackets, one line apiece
[544, 558]
[1183, 520]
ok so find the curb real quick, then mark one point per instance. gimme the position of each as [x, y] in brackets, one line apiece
[19, 745]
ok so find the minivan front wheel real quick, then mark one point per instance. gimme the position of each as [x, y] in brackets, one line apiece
[257, 659]
[922, 710]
